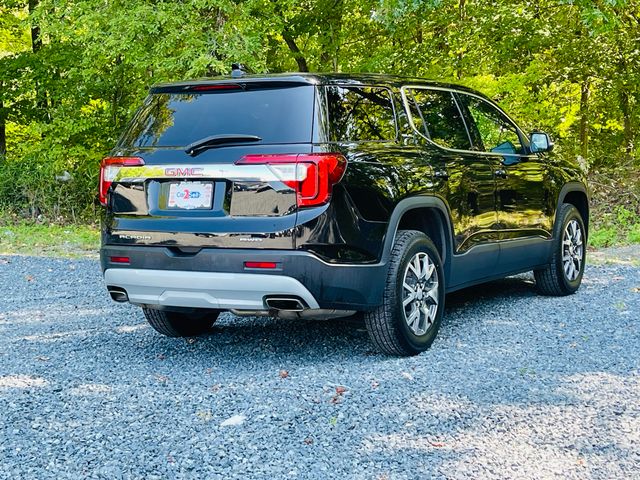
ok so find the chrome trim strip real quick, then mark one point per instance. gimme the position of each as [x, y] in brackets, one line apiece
[228, 171]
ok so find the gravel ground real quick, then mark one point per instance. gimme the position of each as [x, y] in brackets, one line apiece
[515, 386]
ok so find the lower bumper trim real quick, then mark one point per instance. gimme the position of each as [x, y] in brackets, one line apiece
[217, 290]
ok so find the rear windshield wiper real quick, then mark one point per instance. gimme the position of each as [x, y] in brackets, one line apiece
[214, 140]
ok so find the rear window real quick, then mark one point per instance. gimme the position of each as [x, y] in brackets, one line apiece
[277, 115]
[358, 114]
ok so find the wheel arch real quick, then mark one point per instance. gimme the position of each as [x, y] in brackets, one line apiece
[577, 195]
[429, 215]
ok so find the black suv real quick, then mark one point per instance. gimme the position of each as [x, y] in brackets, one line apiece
[324, 195]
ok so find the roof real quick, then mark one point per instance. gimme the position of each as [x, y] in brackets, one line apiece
[317, 78]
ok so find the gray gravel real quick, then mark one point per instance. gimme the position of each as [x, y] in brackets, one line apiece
[515, 386]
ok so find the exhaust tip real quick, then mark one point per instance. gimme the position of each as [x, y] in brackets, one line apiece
[118, 294]
[283, 303]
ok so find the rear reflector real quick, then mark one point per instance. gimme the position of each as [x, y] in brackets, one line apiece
[312, 176]
[119, 259]
[260, 265]
[109, 168]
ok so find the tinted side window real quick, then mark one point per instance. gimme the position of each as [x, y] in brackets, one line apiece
[436, 115]
[496, 132]
[360, 114]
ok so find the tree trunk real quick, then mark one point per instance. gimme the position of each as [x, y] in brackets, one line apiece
[3, 132]
[297, 54]
[585, 93]
[332, 11]
[3, 127]
[36, 41]
[36, 46]
[460, 56]
[626, 117]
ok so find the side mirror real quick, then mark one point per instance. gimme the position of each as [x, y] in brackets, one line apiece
[540, 142]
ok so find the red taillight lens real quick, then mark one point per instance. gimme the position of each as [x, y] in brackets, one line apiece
[312, 176]
[119, 259]
[109, 168]
[260, 265]
[222, 86]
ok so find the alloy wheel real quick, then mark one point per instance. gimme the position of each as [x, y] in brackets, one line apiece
[572, 250]
[420, 293]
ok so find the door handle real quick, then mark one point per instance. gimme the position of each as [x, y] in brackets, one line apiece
[441, 174]
[501, 172]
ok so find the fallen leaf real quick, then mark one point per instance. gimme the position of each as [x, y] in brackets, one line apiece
[29, 278]
[233, 421]
[340, 390]
[407, 375]
[284, 374]
[308, 441]
[205, 415]
[437, 444]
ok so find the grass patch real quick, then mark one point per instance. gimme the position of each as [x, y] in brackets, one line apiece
[50, 240]
[621, 227]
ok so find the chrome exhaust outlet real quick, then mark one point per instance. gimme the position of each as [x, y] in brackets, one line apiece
[118, 294]
[290, 304]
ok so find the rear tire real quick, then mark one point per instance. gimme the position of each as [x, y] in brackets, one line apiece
[564, 274]
[413, 300]
[177, 324]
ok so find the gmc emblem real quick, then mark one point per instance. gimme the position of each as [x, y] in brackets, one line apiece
[184, 172]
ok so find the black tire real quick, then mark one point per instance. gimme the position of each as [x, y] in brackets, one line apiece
[177, 324]
[553, 279]
[387, 327]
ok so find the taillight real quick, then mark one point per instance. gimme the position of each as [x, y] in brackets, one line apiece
[312, 176]
[268, 265]
[119, 259]
[109, 168]
[218, 86]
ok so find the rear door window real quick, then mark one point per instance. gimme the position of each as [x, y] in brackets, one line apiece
[436, 116]
[360, 114]
[277, 115]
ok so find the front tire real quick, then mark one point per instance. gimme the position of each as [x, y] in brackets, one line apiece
[413, 300]
[178, 324]
[563, 275]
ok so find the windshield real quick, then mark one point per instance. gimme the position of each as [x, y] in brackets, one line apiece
[277, 115]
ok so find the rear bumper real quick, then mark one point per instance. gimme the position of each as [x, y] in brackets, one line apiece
[174, 288]
[216, 278]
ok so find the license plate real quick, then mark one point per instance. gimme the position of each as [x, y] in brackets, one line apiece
[190, 195]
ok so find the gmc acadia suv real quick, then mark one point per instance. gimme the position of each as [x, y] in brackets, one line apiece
[320, 196]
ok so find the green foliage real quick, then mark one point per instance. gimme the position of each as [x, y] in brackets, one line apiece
[571, 68]
[621, 226]
[49, 240]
